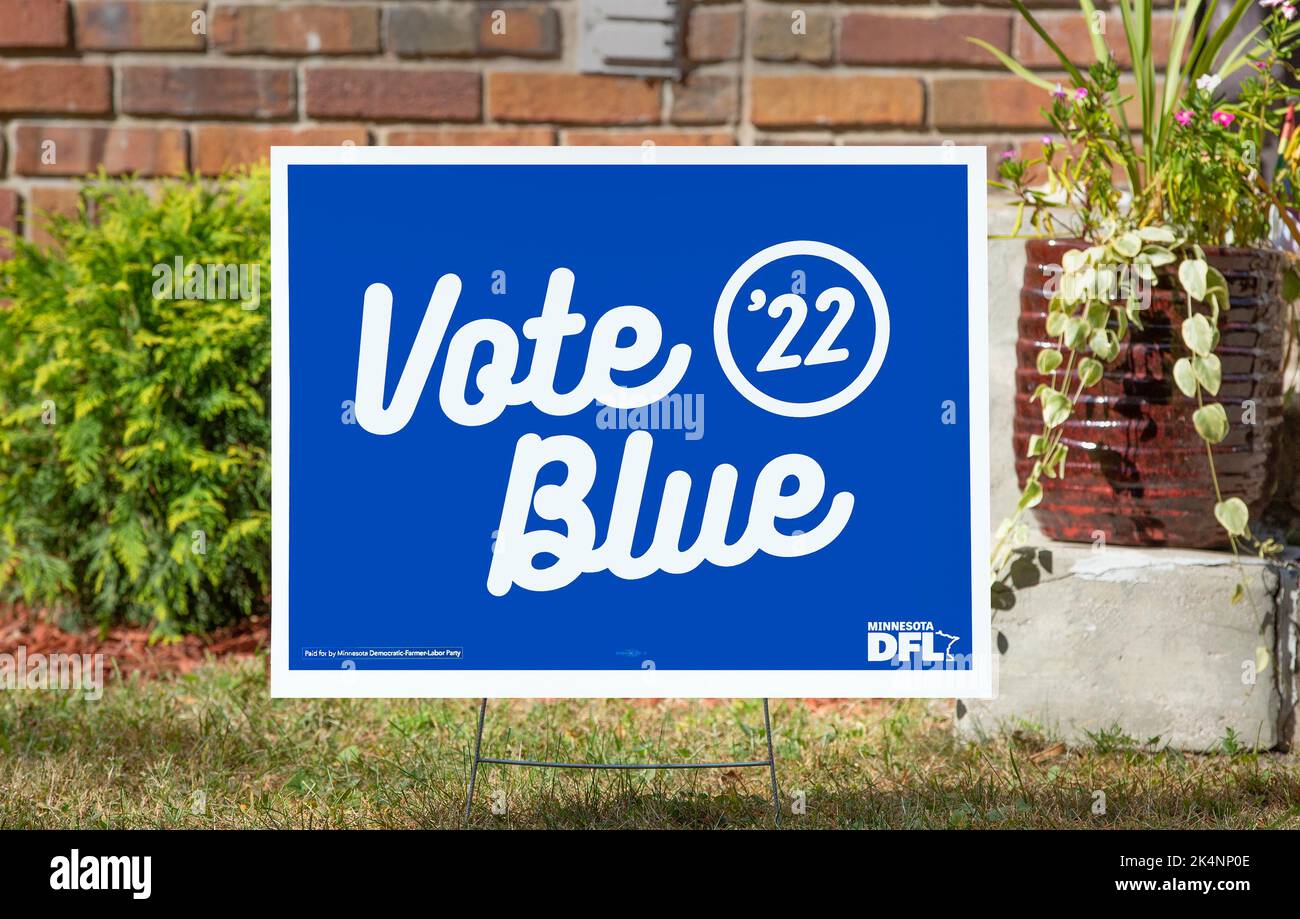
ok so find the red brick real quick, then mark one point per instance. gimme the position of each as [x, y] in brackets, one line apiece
[1133, 107]
[471, 137]
[706, 98]
[785, 139]
[33, 23]
[663, 138]
[428, 31]
[713, 35]
[816, 100]
[775, 38]
[79, 150]
[988, 102]
[1045, 4]
[138, 25]
[46, 201]
[573, 98]
[391, 94]
[218, 148]
[307, 29]
[208, 91]
[1070, 31]
[522, 31]
[10, 210]
[1036, 5]
[918, 38]
[48, 88]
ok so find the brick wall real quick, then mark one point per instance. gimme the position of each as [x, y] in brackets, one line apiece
[159, 87]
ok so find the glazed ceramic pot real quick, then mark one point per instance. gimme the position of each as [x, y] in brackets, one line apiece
[1137, 473]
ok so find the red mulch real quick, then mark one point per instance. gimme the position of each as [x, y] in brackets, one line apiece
[127, 649]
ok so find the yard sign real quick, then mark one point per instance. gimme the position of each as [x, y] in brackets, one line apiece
[630, 422]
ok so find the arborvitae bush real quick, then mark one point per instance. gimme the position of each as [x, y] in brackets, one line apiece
[135, 431]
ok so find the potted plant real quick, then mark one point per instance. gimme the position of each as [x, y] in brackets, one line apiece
[1154, 309]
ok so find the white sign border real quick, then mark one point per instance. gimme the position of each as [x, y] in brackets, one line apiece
[976, 683]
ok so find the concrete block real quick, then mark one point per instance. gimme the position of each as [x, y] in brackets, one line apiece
[1148, 642]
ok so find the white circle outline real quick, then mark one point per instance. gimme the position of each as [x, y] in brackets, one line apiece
[722, 345]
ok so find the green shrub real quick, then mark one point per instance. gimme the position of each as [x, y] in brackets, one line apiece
[135, 479]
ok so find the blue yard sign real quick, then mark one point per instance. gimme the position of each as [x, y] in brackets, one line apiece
[630, 422]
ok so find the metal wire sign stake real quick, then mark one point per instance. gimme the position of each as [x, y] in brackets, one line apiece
[770, 763]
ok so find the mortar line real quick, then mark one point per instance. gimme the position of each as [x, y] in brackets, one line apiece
[745, 127]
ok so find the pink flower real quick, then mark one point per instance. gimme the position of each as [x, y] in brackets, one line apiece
[1081, 94]
[1008, 154]
[1288, 11]
[1184, 117]
[1058, 93]
[1269, 3]
[1046, 140]
[1223, 119]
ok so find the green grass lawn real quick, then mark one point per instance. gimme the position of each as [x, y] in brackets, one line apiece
[212, 749]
